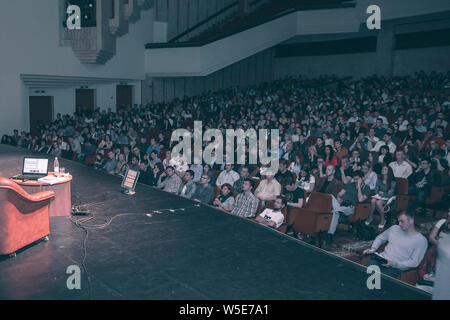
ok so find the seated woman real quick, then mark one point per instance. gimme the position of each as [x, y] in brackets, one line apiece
[4, 139]
[329, 156]
[306, 180]
[67, 153]
[225, 199]
[296, 166]
[410, 153]
[384, 190]
[370, 177]
[428, 264]
[106, 143]
[327, 140]
[155, 173]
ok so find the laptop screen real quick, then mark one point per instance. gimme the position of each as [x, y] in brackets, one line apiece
[35, 166]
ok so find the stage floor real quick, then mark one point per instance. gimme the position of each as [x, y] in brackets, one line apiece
[195, 253]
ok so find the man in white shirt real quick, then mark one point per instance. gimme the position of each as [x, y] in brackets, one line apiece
[387, 141]
[272, 217]
[371, 139]
[401, 168]
[227, 176]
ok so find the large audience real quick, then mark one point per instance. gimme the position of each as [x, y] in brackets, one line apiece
[351, 139]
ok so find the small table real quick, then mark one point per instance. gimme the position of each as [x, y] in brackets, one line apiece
[61, 204]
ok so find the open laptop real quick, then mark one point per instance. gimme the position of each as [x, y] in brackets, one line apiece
[33, 169]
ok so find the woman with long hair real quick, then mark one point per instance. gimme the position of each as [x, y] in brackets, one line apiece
[327, 140]
[329, 156]
[67, 153]
[225, 199]
[320, 146]
[410, 153]
[370, 178]
[384, 190]
[208, 170]
[156, 172]
[296, 166]
[306, 180]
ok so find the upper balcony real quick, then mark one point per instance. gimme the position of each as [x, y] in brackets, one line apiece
[213, 51]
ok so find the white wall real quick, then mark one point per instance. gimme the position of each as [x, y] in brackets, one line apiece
[363, 64]
[29, 33]
[253, 70]
[385, 61]
[426, 59]
[355, 65]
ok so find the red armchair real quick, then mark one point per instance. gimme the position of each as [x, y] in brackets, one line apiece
[24, 218]
[315, 217]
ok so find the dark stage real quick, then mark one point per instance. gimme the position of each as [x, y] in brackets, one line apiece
[195, 253]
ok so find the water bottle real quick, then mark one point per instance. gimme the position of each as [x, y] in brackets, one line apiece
[56, 165]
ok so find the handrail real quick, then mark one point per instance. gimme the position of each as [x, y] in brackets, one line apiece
[246, 27]
[218, 13]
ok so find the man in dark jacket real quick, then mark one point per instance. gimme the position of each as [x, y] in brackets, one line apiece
[204, 192]
[329, 184]
[421, 182]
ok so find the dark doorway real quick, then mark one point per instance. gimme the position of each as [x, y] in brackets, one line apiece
[84, 100]
[124, 96]
[41, 112]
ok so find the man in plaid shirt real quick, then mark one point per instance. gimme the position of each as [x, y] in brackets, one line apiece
[246, 203]
[171, 182]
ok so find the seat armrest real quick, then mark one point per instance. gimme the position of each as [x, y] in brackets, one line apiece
[41, 196]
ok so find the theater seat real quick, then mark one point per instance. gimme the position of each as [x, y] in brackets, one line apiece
[401, 194]
[90, 160]
[24, 218]
[362, 212]
[314, 218]
[216, 191]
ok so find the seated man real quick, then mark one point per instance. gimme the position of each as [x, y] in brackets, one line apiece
[273, 217]
[344, 172]
[329, 184]
[227, 176]
[171, 181]
[187, 187]
[246, 204]
[121, 167]
[387, 141]
[353, 192]
[243, 174]
[269, 188]
[134, 164]
[179, 163]
[421, 183]
[145, 173]
[292, 194]
[283, 172]
[110, 165]
[400, 167]
[405, 249]
[204, 192]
